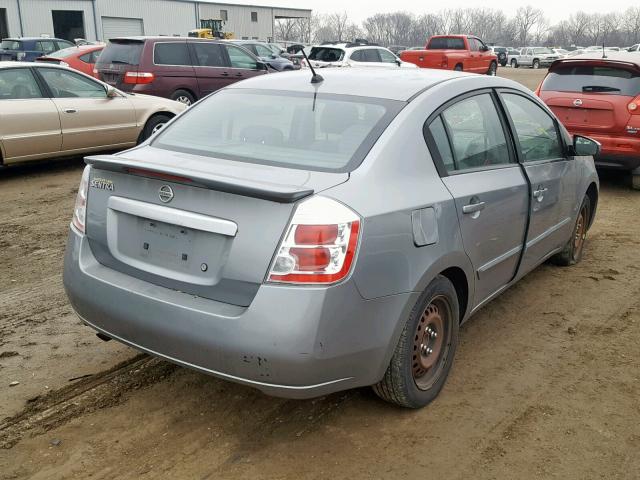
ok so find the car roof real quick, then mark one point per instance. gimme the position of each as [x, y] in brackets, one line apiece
[392, 84]
[32, 39]
[11, 64]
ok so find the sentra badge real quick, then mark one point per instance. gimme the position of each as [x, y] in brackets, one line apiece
[102, 184]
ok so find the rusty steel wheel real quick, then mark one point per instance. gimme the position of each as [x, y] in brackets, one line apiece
[572, 252]
[581, 232]
[430, 344]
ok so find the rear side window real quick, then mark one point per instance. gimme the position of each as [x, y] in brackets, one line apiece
[208, 54]
[11, 45]
[171, 54]
[535, 129]
[320, 132]
[122, 53]
[240, 58]
[475, 135]
[446, 43]
[365, 55]
[45, 46]
[593, 79]
[325, 54]
[18, 84]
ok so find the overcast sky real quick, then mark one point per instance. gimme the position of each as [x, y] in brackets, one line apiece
[555, 10]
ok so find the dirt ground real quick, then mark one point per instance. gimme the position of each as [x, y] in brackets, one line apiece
[546, 382]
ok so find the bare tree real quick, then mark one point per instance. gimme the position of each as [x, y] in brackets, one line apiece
[527, 18]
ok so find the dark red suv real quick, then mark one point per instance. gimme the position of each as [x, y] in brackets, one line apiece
[600, 98]
[181, 68]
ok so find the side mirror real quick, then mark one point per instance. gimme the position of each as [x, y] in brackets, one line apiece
[262, 66]
[484, 48]
[398, 62]
[584, 146]
[111, 92]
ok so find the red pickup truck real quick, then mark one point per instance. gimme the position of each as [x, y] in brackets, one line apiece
[454, 52]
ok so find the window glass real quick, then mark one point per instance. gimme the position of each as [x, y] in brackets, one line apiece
[327, 54]
[316, 132]
[446, 43]
[535, 129]
[66, 84]
[11, 45]
[45, 46]
[366, 55]
[208, 54]
[224, 15]
[386, 56]
[122, 53]
[171, 54]
[542, 51]
[593, 79]
[87, 57]
[357, 56]
[254, 16]
[241, 59]
[64, 44]
[262, 50]
[473, 44]
[439, 135]
[476, 133]
[18, 84]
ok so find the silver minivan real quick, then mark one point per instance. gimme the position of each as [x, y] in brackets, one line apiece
[308, 237]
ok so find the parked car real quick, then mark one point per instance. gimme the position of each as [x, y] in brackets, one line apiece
[265, 54]
[600, 97]
[27, 49]
[354, 54]
[82, 58]
[501, 53]
[536, 57]
[396, 49]
[512, 57]
[49, 111]
[634, 48]
[317, 237]
[180, 68]
[560, 52]
[454, 52]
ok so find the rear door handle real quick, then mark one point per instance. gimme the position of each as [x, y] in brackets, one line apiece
[539, 193]
[224, 74]
[70, 110]
[238, 74]
[473, 207]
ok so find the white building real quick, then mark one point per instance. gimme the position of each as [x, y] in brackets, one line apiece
[104, 19]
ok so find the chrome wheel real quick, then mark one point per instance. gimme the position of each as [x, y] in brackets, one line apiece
[157, 128]
[431, 343]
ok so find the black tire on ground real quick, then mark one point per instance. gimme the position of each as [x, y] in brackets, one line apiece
[572, 252]
[514, 63]
[458, 68]
[183, 96]
[535, 64]
[635, 181]
[431, 329]
[154, 124]
[493, 69]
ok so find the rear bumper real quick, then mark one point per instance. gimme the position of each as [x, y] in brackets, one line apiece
[621, 153]
[291, 341]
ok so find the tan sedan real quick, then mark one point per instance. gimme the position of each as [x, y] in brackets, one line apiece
[50, 111]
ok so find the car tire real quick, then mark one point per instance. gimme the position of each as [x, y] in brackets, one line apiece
[536, 64]
[183, 96]
[414, 378]
[572, 252]
[154, 124]
[458, 68]
[635, 181]
[514, 63]
[493, 69]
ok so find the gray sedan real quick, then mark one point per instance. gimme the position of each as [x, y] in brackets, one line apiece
[324, 236]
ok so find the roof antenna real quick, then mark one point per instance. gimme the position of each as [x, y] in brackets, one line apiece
[315, 77]
[604, 55]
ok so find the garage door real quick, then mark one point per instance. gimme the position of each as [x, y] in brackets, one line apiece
[113, 27]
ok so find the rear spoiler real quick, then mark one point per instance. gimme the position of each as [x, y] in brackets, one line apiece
[238, 186]
[577, 61]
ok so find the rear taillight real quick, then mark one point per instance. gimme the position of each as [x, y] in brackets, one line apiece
[138, 77]
[320, 244]
[80, 208]
[634, 106]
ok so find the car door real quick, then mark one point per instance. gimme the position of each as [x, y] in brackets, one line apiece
[485, 56]
[525, 57]
[29, 120]
[474, 56]
[89, 118]
[211, 66]
[243, 64]
[551, 176]
[479, 168]
[387, 59]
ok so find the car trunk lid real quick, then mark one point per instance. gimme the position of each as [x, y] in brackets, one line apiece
[204, 226]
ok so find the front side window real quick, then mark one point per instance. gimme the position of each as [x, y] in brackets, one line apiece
[171, 54]
[262, 50]
[11, 45]
[241, 59]
[386, 56]
[320, 132]
[535, 129]
[475, 134]
[66, 84]
[18, 84]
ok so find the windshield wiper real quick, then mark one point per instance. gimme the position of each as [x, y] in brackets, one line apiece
[599, 88]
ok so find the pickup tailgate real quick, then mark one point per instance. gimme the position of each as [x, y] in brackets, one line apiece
[203, 226]
[425, 58]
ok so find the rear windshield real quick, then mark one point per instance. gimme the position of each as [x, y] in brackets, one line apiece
[123, 53]
[326, 54]
[446, 43]
[11, 45]
[327, 132]
[593, 79]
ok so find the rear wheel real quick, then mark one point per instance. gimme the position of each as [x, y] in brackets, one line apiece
[514, 63]
[493, 68]
[572, 252]
[458, 67]
[154, 124]
[535, 64]
[635, 181]
[424, 354]
[183, 96]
